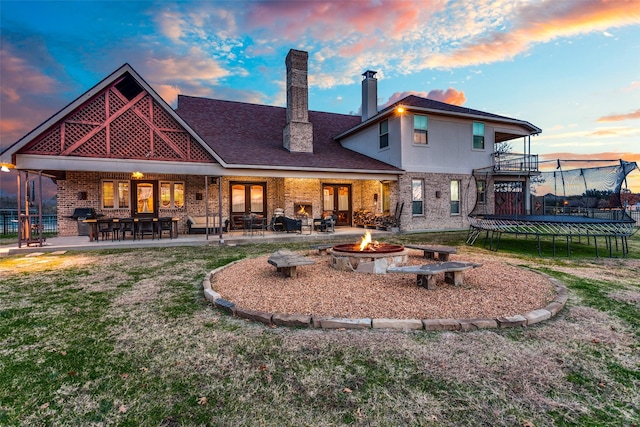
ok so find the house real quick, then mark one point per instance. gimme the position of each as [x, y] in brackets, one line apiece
[121, 150]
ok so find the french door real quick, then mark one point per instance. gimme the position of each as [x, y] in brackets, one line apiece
[145, 195]
[336, 198]
[248, 198]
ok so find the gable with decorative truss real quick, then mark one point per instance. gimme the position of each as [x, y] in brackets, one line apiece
[123, 121]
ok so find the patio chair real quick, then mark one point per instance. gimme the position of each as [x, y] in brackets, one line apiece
[146, 226]
[258, 223]
[165, 224]
[126, 226]
[107, 228]
[325, 224]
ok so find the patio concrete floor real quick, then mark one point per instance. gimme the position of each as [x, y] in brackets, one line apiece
[341, 235]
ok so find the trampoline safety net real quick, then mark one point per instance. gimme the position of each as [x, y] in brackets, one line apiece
[564, 201]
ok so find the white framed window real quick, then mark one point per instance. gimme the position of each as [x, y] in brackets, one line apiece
[417, 197]
[171, 195]
[115, 194]
[455, 197]
[420, 135]
[384, 134]
[478, 136]
[481, 189]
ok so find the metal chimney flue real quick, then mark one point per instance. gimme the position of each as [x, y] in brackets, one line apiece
[369, 95]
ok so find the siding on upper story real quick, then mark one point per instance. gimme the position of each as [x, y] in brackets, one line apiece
[449, 148]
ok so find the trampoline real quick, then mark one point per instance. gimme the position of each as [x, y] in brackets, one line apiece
[582, 203]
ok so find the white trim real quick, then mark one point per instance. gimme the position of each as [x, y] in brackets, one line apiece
[476, 117]
[93, 164]
[67, 163]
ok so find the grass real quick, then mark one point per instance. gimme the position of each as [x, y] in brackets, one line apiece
[125, 337]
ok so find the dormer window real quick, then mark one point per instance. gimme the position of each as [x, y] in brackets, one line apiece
[384, 134]
[420, 130]
[478, 136]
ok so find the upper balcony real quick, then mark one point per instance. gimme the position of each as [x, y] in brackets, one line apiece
[510, 163]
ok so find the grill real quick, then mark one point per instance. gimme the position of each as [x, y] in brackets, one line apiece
[80, 214]
[84, 213]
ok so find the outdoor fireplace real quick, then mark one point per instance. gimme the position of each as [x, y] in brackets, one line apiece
[368, 256]
[302, 210]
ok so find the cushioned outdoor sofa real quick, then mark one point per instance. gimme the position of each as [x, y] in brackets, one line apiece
[198, 224]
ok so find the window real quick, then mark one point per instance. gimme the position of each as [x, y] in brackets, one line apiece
[417, 192]
[420, 130]
[455, 197]
[481, 189]
[171, 195]
[478, 136]
[384, 134]
[115, 194]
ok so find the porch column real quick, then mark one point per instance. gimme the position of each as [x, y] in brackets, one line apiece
[527, 196]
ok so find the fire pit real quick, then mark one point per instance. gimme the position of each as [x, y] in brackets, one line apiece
[368, 256]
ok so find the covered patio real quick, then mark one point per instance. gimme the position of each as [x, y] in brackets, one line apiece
[237, 237]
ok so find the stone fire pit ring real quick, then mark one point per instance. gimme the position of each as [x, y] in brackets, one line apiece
[299, 320]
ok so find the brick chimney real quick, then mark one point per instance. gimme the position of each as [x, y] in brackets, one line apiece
[369, 95]
[298, 133]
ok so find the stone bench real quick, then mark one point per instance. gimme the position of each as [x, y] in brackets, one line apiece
[430, 251]
[452, 272]
[286, 262]
[322, 249]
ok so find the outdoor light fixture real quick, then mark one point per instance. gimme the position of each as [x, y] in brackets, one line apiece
[6, 167]
[400, 109]
[137, 175]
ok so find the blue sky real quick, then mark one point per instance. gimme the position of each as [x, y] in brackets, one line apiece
[570, 67]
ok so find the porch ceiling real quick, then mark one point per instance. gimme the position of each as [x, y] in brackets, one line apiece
[501, 136]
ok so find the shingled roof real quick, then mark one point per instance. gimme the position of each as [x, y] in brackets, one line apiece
[245, 134]
[430, 104]
[427, 105]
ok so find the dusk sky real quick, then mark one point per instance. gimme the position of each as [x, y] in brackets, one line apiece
[569, 67]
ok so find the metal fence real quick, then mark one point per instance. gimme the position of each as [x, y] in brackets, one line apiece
[9, 222]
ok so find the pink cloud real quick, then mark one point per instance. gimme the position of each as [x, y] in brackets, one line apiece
[450, 96]
[329, 20]
[357, 48]
[11, 125]
[21, 83]
[542, 22]
[18, 76]
[590, 157]
[620, 117]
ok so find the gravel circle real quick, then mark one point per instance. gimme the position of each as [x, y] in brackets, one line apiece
[494, 290]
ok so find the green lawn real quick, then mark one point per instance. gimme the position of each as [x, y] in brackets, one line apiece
[125, 337]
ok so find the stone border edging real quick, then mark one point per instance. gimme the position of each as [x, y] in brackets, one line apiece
[301, 320]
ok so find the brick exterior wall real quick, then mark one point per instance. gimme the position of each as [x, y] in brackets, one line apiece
[437, 210]
[284, 193]
[90, 182]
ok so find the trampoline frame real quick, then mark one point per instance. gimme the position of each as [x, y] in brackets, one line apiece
[568, 226]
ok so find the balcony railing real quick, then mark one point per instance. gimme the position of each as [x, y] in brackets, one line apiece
[514, 162]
